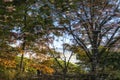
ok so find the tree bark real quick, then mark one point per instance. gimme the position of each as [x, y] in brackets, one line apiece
[21, 62]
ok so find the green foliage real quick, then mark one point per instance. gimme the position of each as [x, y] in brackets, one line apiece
[71, 69]
[34, 21]
[7, 74]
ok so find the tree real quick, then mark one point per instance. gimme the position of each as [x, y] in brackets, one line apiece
[91, 23]
[29, 26]
[26, 24]
[110, 64]
[61, 54]
[7, 53]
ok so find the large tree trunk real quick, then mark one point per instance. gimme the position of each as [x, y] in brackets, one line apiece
[95, 52]
[64, 73]
[22, 57]
[94, 73]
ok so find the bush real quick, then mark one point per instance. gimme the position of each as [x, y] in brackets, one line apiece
[7, 74]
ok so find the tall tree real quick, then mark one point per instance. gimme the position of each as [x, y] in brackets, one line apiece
[6, 9]
[31, 24]
[92, 23]
[61, 54]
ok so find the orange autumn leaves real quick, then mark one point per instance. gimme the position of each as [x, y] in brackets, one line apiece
[6, 63]
[45, 66]
[45, 69]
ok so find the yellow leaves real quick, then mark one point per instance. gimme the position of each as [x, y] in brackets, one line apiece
[81, 54]
[79, 50]
[48, 62]
[20, 50]
[45, 69]
[7, 63]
